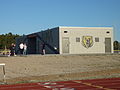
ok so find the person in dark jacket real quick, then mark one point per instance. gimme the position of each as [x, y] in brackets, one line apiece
[12, 50]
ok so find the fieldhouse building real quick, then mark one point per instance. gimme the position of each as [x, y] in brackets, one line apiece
[70, 40]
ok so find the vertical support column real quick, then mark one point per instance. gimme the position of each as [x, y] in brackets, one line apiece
[3, 66]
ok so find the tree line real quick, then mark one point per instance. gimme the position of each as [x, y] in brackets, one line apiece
[7, 39]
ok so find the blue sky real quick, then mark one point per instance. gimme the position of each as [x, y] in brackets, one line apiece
[28, 16]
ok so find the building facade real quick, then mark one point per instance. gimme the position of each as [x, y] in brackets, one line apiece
[70, 40]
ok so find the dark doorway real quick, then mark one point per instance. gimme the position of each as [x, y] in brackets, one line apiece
[32, 45]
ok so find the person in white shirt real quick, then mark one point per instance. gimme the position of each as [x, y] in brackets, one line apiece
[21, 46]
[25, 49]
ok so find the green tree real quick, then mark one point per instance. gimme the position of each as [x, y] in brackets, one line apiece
[7, 39]
[116, 45]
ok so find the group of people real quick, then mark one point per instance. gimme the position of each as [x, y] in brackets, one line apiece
[22, 49]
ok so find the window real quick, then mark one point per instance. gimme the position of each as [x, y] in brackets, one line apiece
[65, 31]
[96, 39]
[107, 32]
[77, 39]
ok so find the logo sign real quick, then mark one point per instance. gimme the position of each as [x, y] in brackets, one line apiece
[87, 41]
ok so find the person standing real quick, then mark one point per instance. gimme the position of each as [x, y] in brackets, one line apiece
[12, 49]
[21, 46]
[43, 49]
[25, 49]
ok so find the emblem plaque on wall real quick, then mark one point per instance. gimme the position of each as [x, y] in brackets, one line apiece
[87, 41]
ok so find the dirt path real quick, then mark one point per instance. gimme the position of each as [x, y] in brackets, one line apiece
[34, 68]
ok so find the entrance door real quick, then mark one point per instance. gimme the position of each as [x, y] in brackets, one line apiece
[65, 44]
[107, 45]
[32, 45]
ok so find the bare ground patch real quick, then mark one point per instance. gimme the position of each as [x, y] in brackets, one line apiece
[37, 68]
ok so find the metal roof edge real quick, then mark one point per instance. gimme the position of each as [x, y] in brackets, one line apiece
[87, 27]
